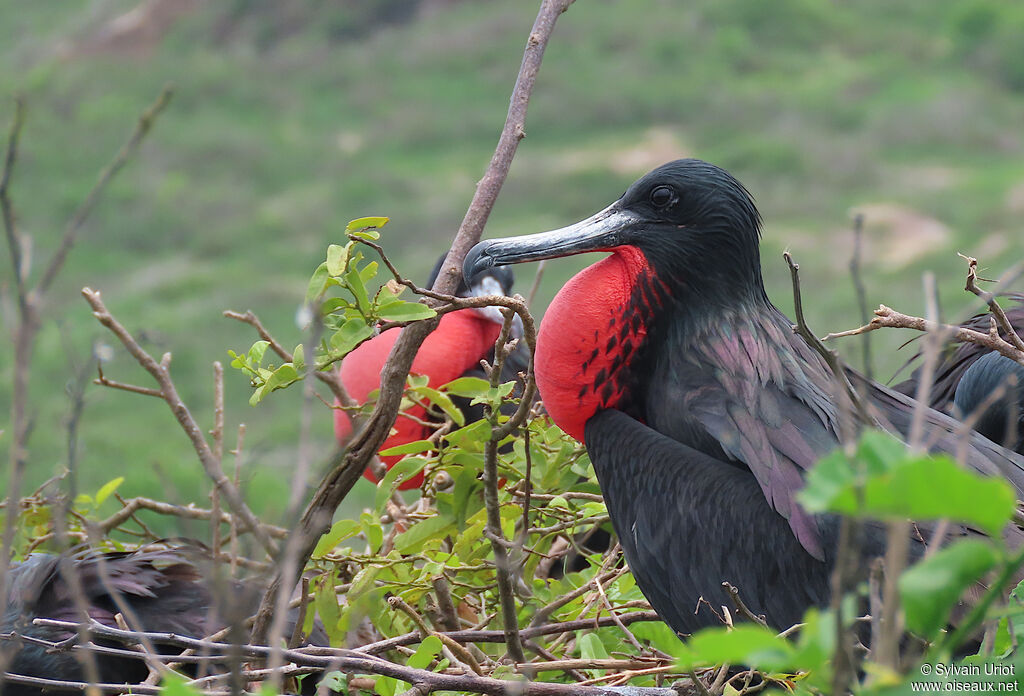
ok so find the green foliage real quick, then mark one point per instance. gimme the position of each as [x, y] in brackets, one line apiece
[338, 295]
[885, 481]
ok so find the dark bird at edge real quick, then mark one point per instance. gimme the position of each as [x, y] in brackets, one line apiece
[699, 406]
[968, 376]
[166, 587]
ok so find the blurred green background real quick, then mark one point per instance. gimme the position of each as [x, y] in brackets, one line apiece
[291, 117]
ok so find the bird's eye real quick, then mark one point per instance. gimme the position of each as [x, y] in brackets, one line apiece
[661, 196]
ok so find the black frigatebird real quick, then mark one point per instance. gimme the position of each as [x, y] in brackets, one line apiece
[699, 406]
[454, 349]
[165, 588]
[999, 419]
[958, 357]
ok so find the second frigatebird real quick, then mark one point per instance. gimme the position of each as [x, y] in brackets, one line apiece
[699, 406]
[454, 349]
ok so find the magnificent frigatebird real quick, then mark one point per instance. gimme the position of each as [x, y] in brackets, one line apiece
[699, 406]
[958, 357]
[454, 349]
[999, 419]
[164, 587]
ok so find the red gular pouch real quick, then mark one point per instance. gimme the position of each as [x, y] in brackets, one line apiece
[460, 342]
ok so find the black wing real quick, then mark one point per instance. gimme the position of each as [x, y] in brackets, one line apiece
[687, 522]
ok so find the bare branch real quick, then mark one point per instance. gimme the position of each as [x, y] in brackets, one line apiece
[347, 467]
[170, 394]
[990, 299]
[888, 318]
[146, 121]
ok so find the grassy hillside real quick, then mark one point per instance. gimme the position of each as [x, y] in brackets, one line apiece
[289, 122]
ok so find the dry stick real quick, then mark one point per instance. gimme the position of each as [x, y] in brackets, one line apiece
[889, 318]
[218, 452]
[844, 667]
[898, 546]
[189, 512]
[859, 289]
[162, 376]
[503, 563]
[360, 663]
[14, 243]
[347, 467]
[482, 636]
[237, 453]
[830, 357]
[289, 562]
[530, 296]
[990, 300]
[102, 381]
[445, 606]
[462, 657]
[146, 121]
[741, 607]
[29, 300]
[23, 339]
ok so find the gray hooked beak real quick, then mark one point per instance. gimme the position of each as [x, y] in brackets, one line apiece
[597, 233]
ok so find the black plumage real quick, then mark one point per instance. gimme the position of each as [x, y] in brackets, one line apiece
[711, 409]
[958, 357]
[999, 418]
[169, 589]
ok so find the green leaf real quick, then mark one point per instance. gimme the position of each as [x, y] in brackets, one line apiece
[472, 437]
[386, 686]
[465, 483]
[899, 485]
[930, 588]
[299, 358]
[317, 284]
[362, 583]
[356, 286]
[424, 655]
[372, 530]
[103, 493]
[283, 376]
[414, 447]
[326, 603]
[467, 387]
[340, 530]
[353, 332]
[591, 647]
[658, 634]
[337, 259]
[444, 402]
[368, 272]
[746, 644]
[401, 471]
[405, 311]
[257, 351]
[413, 539]
[174, 685]
[366, 223]
[335, 681]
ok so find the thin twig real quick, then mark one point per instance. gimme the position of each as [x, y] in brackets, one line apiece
[347, 467]
[142, 128]
[859, 289]
[170, 394]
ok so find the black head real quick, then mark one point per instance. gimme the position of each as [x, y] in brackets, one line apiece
[695, 223]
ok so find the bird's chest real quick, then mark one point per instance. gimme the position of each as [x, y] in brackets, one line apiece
[591, 338]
